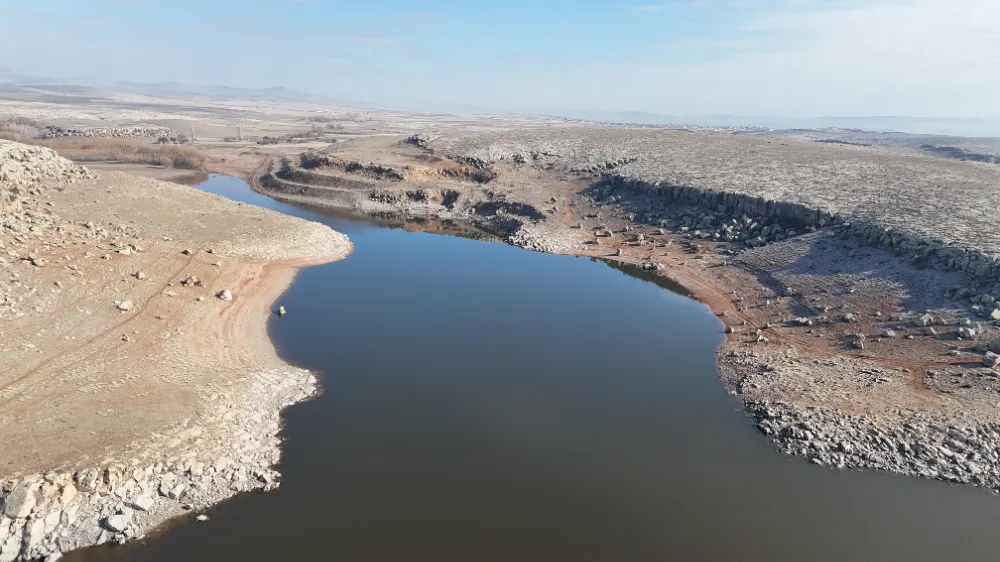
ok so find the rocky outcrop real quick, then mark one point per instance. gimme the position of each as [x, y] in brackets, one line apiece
[24, 167]
[310, 160]
[734, 204]
[916, 247]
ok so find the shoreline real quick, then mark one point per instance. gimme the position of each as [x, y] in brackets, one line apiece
[893, 382]
[187, 386]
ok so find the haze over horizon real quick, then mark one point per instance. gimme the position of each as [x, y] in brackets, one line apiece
[793, 58]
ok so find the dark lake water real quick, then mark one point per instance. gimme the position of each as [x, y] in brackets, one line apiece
[489, 404]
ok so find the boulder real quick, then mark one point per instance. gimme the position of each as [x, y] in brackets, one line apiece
[225, 295]
[124, 306]
[850, 318]
[22, 499]
[924, 320]
[143, 503]
[995, 345]
[967, 332]
[118, 522]
[991, 359]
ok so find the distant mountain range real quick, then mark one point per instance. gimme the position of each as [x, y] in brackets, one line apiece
[914, 125]
[225, 92]
[8, 76]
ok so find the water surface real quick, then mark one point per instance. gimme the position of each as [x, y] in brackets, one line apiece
[485, 403]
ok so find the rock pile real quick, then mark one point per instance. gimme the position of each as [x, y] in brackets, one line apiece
[24, 168]
[132, 132]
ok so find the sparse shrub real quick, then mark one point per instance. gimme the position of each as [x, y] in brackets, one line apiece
[19, 129]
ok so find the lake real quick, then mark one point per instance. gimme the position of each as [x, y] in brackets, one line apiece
[486, 403]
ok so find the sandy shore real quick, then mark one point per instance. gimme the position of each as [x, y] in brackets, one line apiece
[130, 392]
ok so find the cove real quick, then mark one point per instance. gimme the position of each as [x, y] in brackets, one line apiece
[484, 403]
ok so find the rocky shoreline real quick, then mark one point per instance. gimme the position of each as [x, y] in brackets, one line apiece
[853, 340]
[181, 471]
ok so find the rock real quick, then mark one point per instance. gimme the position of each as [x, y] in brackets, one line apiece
[991, 359]
[225, 295]
[140, 275]
[143, 503]
[995, 315]
[187, 252]
[924, 320]
[282, 311]
[118, 522]
[966, 332]
[888, 333]
[995, 345]
[201, 518]
[730, 329]
[929, 331]
[124, 306]
[850, 318]
[803, 321]
[53, 557]
[22, 499]
[618, 252]
[177, 491]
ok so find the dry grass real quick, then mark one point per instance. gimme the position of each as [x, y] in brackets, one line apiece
[125, 151]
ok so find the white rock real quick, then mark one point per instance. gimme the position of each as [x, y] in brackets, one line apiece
[225, 295]
[202, 518]
[124, 306]
[143, 503]
[119, 522]
[177, 491]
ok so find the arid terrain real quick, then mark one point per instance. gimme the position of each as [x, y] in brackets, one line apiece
[859, 285]
[137, 379]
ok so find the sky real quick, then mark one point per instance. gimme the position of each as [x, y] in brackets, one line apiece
[794, 58]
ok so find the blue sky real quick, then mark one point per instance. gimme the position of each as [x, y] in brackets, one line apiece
[746, 57]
